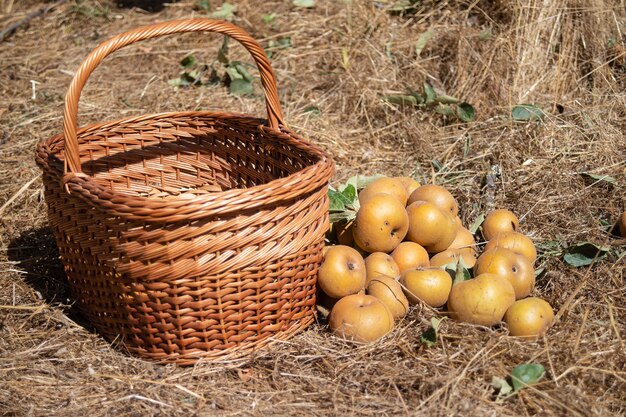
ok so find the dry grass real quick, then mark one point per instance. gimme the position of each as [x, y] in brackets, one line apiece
[567, 56]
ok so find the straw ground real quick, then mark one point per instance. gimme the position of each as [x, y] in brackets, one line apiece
[565, 56]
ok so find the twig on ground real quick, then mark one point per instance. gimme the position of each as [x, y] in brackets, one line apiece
[18, 193]
[14, 26]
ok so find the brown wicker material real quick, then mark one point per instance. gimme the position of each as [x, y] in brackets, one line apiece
[188, 235]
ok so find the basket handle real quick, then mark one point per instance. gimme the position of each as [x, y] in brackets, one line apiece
[70, 112]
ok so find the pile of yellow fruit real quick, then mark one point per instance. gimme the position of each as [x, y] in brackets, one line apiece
[407, 245]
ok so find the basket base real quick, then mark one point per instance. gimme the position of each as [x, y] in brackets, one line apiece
[193, 356]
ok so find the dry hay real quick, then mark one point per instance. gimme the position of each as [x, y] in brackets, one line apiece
[567, 56]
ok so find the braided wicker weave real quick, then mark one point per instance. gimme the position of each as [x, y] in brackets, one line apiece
[188, 235]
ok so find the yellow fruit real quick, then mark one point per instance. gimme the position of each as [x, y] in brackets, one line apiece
[510, 265]
[381, 224]
[409, 184]
[380, 264]
[463, 242]
[482, 300]
[360, 317]
[437, 195]
[410, 255]
[452, 256]
[516, 242]
[344, 233]
[463, 246]
[389, 292]
[430, 227]
[458, 221]
[431, 285]
[499, 221]
[384, 185]
[529, 318]
[342, 272]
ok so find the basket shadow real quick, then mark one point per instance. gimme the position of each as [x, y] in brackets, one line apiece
[35, 252]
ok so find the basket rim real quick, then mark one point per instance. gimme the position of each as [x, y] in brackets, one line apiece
[159, 210]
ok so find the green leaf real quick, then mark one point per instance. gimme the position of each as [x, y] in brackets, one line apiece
[269, 18]
[350, 193]
[214, 77]
[437, 165]
[281, 43]
[444, 109]
[479, 220]
[342, 216]
[178, 82]
[361, 181]
[539, 272]
[458, 270]
[501, 386]
[549, 248]
[446, 99]
[353, 180]
[241, 87]
[422, 40]
[596, 178]
[429, 337]
[462, 272]
[233, 74]
[583, 254]
[338, 201]
[313, 110]
[401, 100]
[188, 61]
[465, 112]
[525, 375]
[466, 145]
[226, 12]
[485, 34]
[243, 71]
[350, 196]
[222, 53]
[304, 3]
[527, 112]
[419, 97]
[185, 79]
[430, 93]
[204, 5]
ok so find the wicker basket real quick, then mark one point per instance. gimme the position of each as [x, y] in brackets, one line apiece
[188, 235]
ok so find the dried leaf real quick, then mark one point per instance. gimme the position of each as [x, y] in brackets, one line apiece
[246, 374]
